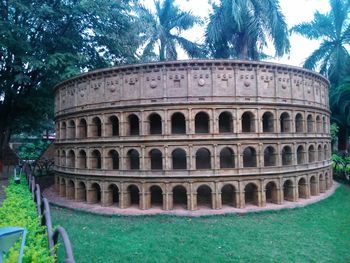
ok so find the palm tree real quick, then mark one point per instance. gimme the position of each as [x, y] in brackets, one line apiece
[163, 30]
[333, 29]
[241, 28]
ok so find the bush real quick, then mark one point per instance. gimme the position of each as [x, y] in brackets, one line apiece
[32, 151]
[341, 167]
[19, 210]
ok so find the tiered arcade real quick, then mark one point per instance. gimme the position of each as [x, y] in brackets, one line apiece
[193, 134]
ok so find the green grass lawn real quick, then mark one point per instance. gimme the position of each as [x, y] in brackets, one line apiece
[316, 233]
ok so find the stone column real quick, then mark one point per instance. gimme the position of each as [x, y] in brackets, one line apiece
[190, 158]
[241, 195]
[189, 122]
[106, 198]
[80, 193]
[191, 198]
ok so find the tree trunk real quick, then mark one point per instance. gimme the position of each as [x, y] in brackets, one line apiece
[343, 140]
[4, 139]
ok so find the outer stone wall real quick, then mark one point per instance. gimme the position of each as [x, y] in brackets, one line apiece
[193, 133]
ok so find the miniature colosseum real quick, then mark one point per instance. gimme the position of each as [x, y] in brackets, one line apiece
[193, 134]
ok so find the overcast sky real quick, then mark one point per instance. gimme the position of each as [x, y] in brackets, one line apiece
[295, 11]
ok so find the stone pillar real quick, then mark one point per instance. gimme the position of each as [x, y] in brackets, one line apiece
[80, 193]
[191, 158]
[145, 199]
[191, 198]
[216, 164]
[241, 196]
[70, 192]
[124, 199]
[142, 164]
[106, 198]
[91, 196]
[279, 196]
[189, 122]
[62, 191]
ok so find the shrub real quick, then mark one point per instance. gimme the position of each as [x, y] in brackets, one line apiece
[19, 210]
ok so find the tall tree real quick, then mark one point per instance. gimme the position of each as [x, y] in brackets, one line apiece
[163, 30]
[333, 30]
[45, 41]
[242, 28]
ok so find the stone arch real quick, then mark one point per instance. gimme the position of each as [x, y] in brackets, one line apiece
[63, 130]
[326, 154]
[319, 153]
[203, 158]
[82, 159]
[268, 122]
[179, 161]
[63, 158]
[287, 155]
[248, 122]
[113, 126]
[156, 195]
[270, 156]
[63, 187]
[225, 122]
[311, 154]
[81, 192]
[94, 194]
[313, 185]
[310, 123]
[328, 183]
[201, 121]
[133, 160]
[179, 196]
[302, 188]
[322, 183]
[319, 124]
[249, 157]
[178, 123]
[133, 192]
[71, 129]
[112, 160]
[324, 124]
[82, 129]
[155, 123]
[271, 193]
[228, 195]
[71, 159]
[285, 122]
[227, 158]
[134, 124]
[113, 195]
[96, 160]
[204, 196]
[96, 127]
[288, 190]
[156, 157]
[70, 190]
[251, 195]
[299, 123]
[300, 155]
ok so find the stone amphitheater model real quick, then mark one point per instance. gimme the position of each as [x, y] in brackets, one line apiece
[193, 134]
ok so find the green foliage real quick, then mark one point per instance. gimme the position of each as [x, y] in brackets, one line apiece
[240, 29]
[32, 151]
[19, 210]
[334, 131]
[341, 167]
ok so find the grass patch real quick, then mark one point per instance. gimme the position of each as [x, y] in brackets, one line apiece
[316, 233]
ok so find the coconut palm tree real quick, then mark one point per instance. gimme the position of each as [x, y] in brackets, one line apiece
[242, 28]
[333, 30]
[163, 30]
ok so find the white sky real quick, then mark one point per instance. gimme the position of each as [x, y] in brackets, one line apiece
[295, 11]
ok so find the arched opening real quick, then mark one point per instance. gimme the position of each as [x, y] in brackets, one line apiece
[322, 183]
[319, 124]
[201, 123]
[95, 193]
[70, 190]
[287, 155]
[113, 123]
[269, 156]
[203, 159]
[96, 162]
[71, 159]
[71, 130]
[302, 188]
[134, 125]
[271, 193]
[134, 195]
[113, 197]
[227, 158]
[156, 196]
[179, 197]
[326, 153]
[63, 158]
[113, 160]
[155, 124]
[310, 123]
[96, 127]
[313, 186]
[319, 153]
[324, 124]
[156, 159]
[268, 122]
[133, 159]
[82, 129]
[63, 130]
[248, 124]
[82, 160]
[178, 123]
[288, 190]
[81, 192]
[251, 194]
[204, 196]
[228, 195]
[63, 188]
[285, 122]
[249, 157]
[179, 159]
[328, 183]
[299, 123]
[300, 155]
[225, 122]
[311, 154]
